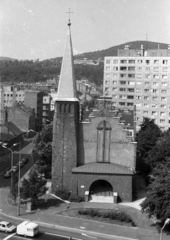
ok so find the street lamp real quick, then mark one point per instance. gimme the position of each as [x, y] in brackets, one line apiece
[12, 176]
[19, 176]
[165, 223]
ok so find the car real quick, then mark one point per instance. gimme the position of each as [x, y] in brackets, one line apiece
[15, 168]
[7, 174]
[25, 160]
[21, 163]
[7, 227]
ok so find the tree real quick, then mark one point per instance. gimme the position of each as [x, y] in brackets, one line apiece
[146, 139]
[33, 187]
[42, 150]
[157, 202]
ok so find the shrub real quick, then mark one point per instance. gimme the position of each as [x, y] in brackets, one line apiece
[75, 198]
[63, 194]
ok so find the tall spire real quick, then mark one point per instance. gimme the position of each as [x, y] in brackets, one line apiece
[67, 85]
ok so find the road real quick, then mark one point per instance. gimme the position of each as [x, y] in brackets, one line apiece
[5, 164]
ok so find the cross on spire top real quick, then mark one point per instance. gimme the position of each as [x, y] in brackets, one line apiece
[69, 12]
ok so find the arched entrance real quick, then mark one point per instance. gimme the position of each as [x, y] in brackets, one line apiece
[101, 191]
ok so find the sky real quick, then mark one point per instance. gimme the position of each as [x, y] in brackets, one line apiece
[36, 29]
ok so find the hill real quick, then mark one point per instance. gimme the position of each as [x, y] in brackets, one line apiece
[114, 50]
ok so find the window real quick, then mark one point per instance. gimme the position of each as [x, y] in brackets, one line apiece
[131, 61]
[139, 90]
[148, 76]
[107, 61]
[165, 62]
[130, 104]
[131, 83]
[138, 105]
[147, 61]
[121, 103]
[146, 105]
[114, 89]
[164, 84]
[164, 69]
[156, 76]
[164, 76]
[115, 68]
[122, 96]
[138, 97]
[139, 83]
[146, 98]
[156, 61]
[147, 69]
[122, 82]
[154, 105]
[115, 61]
[114, 96]
[156, 69]
[122, 89]
[123, 75]
[155, 90]
[155, 98]
[107, 68]
[131, 75]
[154, 113]
[132, 69]
[139, 61]
[107, 74]
[130, 97]
[114, 82]
[145, 112]
[163, 91]
[130, 89]
[114, 75]
[162, 114]
[146, 90]
[155, 84]
[107, 82]
[139, 75]
[163, 106]
[103, 142]
[163, 99]
[139, 69]
[162, 120]
[123, 61]
[147, 83]
[123, 68]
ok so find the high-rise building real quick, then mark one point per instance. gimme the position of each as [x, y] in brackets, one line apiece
[140, 80]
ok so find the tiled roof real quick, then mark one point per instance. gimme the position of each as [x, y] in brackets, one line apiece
[67, 84]
[13, 128]
[103, 168]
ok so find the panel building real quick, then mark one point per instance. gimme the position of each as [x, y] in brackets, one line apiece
[140, 79]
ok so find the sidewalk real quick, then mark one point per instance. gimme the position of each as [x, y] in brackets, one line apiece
[50, 218]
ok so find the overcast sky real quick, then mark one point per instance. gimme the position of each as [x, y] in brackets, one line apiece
[31, 29]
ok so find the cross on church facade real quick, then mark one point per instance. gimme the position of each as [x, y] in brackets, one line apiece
[69, 12]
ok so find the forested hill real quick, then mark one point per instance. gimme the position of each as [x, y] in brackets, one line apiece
[13, 70]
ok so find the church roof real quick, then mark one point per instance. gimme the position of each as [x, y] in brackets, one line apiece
[103, 168]
[67, 85]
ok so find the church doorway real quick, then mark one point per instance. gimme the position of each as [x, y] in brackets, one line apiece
[101, 191]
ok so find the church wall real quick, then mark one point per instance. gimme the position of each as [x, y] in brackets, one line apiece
[122, 150]
[122, 184]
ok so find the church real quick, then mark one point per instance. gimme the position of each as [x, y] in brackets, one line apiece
[93, 158]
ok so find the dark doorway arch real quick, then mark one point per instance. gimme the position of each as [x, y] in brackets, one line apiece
[101, 187]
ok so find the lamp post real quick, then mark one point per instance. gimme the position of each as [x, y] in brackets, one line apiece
[165, 223]
[19, 176]
[12, 176]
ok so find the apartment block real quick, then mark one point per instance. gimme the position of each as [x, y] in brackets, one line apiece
[140, 79]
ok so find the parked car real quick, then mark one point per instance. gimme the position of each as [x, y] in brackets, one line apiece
[7, 227]
[28, 228]
[25, 160]
[7, 174]
[15, 169]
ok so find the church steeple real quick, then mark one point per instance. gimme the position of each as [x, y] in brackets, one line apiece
[67, 85]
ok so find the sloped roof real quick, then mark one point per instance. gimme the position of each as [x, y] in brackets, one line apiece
[13, 128]
[67, 83]
[5, 137]
[103, 168]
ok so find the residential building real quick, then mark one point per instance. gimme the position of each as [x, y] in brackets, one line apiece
[140, 79]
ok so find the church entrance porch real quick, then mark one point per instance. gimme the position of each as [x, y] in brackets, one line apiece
[101, 191]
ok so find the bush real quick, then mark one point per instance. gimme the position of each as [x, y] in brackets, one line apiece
[75, 198]
[63, 194]
[112, 214]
